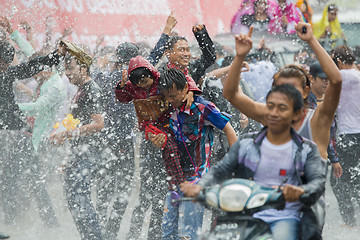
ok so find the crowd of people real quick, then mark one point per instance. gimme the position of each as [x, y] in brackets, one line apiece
[69, 109]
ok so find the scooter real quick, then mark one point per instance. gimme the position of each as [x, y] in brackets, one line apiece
[239, 199]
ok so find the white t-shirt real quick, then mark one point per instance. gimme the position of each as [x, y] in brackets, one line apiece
[349, 105]
[277, 164]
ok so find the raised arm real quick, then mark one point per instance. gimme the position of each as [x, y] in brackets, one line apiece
[14, 35]
[29, 32]
[208, 56]
[232, 90]
[124, 90]
[35, 65]
[219, 73]
[324, 113]
[53, 96]
[49, 24]
[159, 48]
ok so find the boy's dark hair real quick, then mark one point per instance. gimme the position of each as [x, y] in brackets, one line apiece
[7, 52]
[137, 74]
[344, 54]
[170, 77]
[291, 92]
[172, 41]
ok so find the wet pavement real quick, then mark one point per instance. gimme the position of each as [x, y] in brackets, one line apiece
[30, 225]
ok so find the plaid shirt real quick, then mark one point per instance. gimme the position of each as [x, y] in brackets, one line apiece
[193, 132]
[171, 158]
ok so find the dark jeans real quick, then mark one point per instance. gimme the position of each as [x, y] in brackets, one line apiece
[152, 192]
[114, 182]
[21, 171]
[347, 187]
[78, 177]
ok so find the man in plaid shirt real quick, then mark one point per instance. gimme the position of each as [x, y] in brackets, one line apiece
[193, 133]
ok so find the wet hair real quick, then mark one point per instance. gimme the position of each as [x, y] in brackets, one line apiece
[7, 52]
[344, 54]
[137, 74]
[170, 77]
[292, 94]
[172, 41]
[67, 61]
[293, 71]
[332, 7]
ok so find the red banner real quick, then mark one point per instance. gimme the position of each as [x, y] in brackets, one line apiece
[119, 20]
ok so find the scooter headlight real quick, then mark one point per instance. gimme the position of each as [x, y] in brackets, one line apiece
[232, 198]
[257, 200]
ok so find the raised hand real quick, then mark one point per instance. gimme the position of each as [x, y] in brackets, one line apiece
[170, 23]
[67, 31]
[25, 25]
[5, 23]
[243, 43]
[198, 27]
[124, 78]
[304, 31]
[99, 40]
[50, 23]
[62, 49]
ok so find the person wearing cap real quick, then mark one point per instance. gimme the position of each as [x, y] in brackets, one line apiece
[319, 84]
[84, 142]
[14, 148]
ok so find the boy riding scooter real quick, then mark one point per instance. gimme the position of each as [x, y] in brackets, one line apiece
[269, 157]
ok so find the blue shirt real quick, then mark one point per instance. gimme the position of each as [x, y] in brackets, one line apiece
[193, 130]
